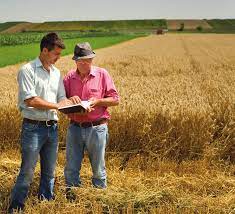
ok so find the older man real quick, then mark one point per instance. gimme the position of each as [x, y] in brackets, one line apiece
[88, 131]
[41, 92]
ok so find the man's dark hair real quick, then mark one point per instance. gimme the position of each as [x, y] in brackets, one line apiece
[51, 40]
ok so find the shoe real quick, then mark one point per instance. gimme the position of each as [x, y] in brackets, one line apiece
[15, 210]
[99, 183]
[15, 207]
[43, 198]
[70, 195]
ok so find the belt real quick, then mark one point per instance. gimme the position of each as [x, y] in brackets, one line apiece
[47, 123]
[89, 124]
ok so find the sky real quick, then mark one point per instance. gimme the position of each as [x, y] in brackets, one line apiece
[77, 10]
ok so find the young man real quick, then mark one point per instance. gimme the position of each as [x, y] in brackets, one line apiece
[88, 131]
[41, 92]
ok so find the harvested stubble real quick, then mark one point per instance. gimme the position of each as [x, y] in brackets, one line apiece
[176, 120]
[145, 186]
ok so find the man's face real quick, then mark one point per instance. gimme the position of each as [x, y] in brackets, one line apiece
[84, 64]
[53, 55]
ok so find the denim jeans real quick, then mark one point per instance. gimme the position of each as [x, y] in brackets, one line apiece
[94, 140]
[36, 139]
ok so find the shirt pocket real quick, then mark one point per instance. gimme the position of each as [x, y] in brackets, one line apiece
[95, 92]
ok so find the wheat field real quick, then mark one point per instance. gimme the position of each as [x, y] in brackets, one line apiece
[172, 138]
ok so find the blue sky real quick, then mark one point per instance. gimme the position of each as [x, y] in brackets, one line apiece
[51, 10]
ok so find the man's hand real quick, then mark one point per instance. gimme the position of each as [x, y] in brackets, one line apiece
[94, 102]
[89, 109]
[65, 102]
[75, 99]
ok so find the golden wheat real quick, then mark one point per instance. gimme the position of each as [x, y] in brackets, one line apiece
[176, 121]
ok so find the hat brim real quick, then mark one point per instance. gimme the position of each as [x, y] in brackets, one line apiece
[84, 57]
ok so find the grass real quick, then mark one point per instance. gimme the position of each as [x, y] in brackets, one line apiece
[14, 54]
[10, 39]
[143, 26]
[188, 24]
[222, 23]
[6, 25]
[98, 25]
[220, 26]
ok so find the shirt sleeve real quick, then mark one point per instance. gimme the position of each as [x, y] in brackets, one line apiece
[61, 91]
[110, 89]
[66, 86]
[26, 84]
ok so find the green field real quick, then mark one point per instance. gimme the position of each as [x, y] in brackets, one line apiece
[218, 25]
[10, 55]
[222, 25]
[98, 25]
[8, 39]
[123, 26]
[6, 25]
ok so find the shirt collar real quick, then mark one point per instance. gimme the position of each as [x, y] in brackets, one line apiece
[38, 63]
[92, 73]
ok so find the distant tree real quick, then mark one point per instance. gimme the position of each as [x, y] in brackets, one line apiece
[181, 26]
[199, 28]
[23, 30]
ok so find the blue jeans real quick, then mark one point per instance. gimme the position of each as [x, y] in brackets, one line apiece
[36, 139]
[94, 140]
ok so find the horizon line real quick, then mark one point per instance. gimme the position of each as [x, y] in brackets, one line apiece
[105, 20]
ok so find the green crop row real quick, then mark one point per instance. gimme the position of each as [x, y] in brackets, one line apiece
[28, 38]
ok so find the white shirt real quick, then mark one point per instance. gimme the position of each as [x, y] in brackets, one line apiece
[34, 80]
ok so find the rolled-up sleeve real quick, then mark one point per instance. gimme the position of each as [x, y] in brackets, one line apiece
[61, 91]
[111, 90]
[66, 86]
[26, 84]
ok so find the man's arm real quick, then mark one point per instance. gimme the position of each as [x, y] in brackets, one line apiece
[108, 101]
[39, 103]
[32, 100]
[111, 97]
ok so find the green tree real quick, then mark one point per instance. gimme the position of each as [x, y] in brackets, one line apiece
[199, 28]
[181, 26]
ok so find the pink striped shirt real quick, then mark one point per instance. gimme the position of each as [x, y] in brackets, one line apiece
[97, 84]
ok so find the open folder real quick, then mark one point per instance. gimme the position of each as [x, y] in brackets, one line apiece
[76, 108]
